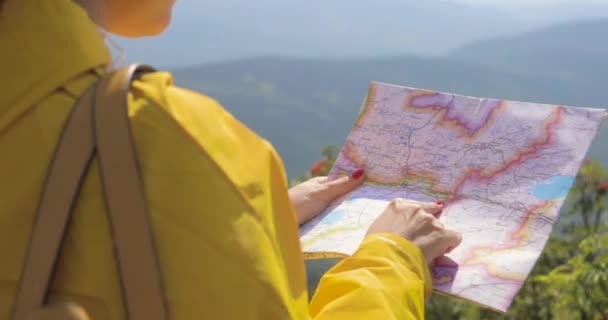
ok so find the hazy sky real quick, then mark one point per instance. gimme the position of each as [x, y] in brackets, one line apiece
[205, 31]
[517, 3]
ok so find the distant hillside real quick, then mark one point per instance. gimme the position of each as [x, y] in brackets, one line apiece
[301, 105]
[570, 52]
[573, 55]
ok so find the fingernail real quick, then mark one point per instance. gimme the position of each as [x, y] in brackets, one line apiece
[439, 202]
[358, 174]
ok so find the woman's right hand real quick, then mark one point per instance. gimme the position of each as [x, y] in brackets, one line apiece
[418, 223]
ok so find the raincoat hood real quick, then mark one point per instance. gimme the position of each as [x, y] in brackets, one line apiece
[44, 45]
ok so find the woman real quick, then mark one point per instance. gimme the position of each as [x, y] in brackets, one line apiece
[224, 221]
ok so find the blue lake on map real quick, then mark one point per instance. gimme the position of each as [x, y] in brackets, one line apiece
[556, 187]
[333, 216]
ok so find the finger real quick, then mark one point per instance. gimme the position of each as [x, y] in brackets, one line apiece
[438, 214]
[343, 185]
[438, 224]
[451, 239]
[432, 208]
[321, 179]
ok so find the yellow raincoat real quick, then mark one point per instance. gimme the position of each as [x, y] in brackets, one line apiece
[225, 228]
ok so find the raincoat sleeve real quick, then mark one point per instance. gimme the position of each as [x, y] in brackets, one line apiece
[387, 278]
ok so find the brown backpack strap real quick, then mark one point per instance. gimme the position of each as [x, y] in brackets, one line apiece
[125, 200]
[99, 120]
[67, 170]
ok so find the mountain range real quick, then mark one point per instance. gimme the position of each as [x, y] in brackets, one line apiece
[302, 104]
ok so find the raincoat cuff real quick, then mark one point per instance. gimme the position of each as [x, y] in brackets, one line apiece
[411, 256]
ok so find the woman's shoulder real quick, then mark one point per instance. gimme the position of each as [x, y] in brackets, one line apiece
[176, 119]
[155, 94]
[157, 89]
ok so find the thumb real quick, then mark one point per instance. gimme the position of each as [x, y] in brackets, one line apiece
[451, 239]
[336, 188]
[441, 242]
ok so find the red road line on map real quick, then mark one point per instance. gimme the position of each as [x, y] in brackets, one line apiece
[478, 175]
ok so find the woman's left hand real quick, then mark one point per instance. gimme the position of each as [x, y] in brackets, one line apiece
[311, 197]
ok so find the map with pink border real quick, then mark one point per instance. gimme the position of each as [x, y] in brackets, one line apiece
[502, 168]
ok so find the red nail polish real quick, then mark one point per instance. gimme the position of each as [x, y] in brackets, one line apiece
[358, 174]
[439, 202]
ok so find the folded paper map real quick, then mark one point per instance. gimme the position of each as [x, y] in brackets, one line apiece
[502, 168]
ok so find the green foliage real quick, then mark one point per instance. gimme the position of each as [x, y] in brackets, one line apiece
[331, 153]
[322, 166]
